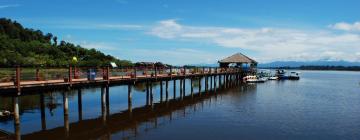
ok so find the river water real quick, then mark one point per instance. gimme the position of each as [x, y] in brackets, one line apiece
[321, 105]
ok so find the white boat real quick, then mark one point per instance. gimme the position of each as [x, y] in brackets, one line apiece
[273, 78]
[294, 76]
[254, 79]
[5, 113]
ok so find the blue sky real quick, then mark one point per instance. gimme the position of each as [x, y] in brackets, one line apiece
[199, 31]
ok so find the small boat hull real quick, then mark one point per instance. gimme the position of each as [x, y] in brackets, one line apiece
[294, 78]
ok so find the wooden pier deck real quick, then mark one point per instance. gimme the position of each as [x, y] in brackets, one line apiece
[19, 86]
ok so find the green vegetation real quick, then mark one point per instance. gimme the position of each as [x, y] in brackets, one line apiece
[32, 48]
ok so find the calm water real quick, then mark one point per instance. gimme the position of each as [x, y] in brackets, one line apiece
[321, 105]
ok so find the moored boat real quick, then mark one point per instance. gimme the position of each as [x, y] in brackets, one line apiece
[254, 79]
[4, 114]
[273, 78]
[294, 76]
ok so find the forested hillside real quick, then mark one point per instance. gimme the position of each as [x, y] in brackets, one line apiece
[29, 47]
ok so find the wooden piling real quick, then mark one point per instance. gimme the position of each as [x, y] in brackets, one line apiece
[66, 114]
[200, 85]
[181, 88]
[147, 93]
[16, 110]
[192, 87]
[167, 90]
[174, 89]
[129, 99]
[211, 82]
[103, 105]
[42, 110]
[161, 91]
[151, 94]
[107, 90]
[80, 104]
[184, 90]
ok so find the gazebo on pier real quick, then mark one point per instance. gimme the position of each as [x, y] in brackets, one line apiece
[237, 60]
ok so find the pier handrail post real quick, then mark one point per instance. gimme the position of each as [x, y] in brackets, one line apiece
[70, 75]
[155, 72]
[203, 71]
[184, 70]
[216, 70]
[108, 74]
[135, 72]
[37, 74]
[18, 79]
[171, 71]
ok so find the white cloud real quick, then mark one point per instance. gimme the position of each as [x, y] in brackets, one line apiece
[346, 26]
[269, 44]
[9, 6]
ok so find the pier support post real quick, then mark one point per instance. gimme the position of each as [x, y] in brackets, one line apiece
[147, 93]
[103, 105]
[167, 90]
[219, 76]
[129, 99]
[16, 110]
[215, 83]
[184, 86]
[225, 80]
[174, 89]
[80, 104]
[192, 87]
[211, 82]
[151, 94]
[199, 85]
[17, 132]
[161, 91]
[181, 88]
[42, 108]
[206, 83]
[107, 100]
[66, 113]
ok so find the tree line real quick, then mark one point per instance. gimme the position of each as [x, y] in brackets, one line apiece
[32, 48]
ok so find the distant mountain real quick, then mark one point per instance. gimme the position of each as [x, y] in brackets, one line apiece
[308, 63]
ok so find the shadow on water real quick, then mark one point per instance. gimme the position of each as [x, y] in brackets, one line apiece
[130, 122]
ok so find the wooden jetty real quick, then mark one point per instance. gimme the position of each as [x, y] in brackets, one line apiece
[79, 77]
[130, 76]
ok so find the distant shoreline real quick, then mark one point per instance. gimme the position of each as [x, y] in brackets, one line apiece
[318, 68]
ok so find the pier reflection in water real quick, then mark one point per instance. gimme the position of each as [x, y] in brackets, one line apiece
[121, 115]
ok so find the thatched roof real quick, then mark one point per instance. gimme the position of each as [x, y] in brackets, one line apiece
[237, 58]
